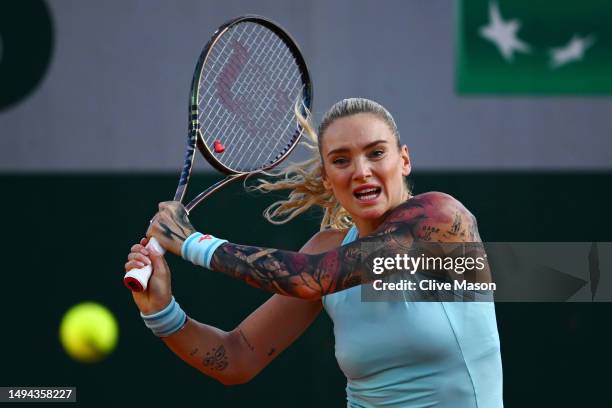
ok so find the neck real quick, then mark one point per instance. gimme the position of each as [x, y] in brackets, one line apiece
[366, 227]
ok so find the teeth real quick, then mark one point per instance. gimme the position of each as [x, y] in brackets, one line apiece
[368, 194]
[370, 190]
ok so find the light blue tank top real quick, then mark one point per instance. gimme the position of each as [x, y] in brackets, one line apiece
[416, 354]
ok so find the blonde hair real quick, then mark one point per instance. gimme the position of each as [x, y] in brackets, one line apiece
[304, 179]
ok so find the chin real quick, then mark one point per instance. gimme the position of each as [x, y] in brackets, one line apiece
[370, 213]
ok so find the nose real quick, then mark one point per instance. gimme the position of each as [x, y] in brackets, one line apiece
[362, 170]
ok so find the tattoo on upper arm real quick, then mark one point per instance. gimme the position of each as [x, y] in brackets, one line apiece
[455, 228]
[473, 235]
[426, 231]
[216, 359]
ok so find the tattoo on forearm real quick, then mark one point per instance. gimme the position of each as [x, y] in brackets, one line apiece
[272, 351]
[216, 359]
[312, 276]
[194, 352]
[180, 229]
[249, 345]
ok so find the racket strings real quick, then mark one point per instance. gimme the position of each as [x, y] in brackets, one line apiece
[247, 94]
[256, 87]
[219, 58]
[250, 86]
[216, 61]
[274, 145]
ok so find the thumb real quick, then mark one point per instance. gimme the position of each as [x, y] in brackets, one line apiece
[157, 260]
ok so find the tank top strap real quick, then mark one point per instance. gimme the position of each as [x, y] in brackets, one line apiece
[351, 235]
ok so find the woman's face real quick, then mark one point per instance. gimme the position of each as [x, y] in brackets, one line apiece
[363, 167]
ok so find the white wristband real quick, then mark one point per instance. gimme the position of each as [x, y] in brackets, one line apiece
[198, 248]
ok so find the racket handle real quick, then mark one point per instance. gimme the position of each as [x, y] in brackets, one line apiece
[137, 280]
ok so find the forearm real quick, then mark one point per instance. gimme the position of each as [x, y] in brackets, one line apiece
[210, 350]
[308, 276]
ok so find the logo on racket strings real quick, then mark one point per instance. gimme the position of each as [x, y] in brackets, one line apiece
[251, 109]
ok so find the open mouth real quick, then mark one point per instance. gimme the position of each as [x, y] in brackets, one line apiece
[367, 194]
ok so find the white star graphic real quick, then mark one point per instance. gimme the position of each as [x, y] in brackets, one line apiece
[503, 34]
[573, 51]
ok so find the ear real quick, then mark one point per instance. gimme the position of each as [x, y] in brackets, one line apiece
[405, 157]
[326, 182]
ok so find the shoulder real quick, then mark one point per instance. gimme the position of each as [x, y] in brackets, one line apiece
[324, 241]
[436, 216]
[442, 205]
[431, 205]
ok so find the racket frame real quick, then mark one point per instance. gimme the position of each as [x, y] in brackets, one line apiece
[195, 136]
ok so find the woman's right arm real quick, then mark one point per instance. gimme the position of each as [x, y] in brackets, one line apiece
[237, 356]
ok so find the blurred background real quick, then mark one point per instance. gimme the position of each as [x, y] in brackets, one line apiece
[505, 105]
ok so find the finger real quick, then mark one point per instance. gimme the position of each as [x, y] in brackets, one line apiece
[139, 248]
[133, 265]
[157, 260]
[136, 256]
[143, 259]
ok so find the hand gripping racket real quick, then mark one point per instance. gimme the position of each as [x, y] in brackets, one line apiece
[248, 80]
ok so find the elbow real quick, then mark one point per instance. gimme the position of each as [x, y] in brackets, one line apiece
[305, 293]
[242, 370]
[228, 378]
[235, 379]
[312, 297]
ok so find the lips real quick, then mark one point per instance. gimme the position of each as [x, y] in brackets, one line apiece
[367, 192]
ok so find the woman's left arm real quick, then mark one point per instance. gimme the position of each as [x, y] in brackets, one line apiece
[431, 217]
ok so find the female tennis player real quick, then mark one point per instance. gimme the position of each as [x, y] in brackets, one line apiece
[394, 354]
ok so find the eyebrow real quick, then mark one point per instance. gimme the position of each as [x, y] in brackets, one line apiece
[346, 149]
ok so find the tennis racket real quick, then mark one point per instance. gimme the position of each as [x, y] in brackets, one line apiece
[248, 80]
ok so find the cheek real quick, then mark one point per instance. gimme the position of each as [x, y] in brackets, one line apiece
[392, 176]
[338, 180]
[390, 171]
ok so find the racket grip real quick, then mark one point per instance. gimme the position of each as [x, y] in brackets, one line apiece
[137, 280]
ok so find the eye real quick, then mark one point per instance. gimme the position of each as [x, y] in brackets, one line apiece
[377, 153]
[339, 161]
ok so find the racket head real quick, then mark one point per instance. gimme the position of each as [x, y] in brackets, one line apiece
[248, 80]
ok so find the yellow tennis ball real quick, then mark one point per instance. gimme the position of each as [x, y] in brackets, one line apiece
[88, 332]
